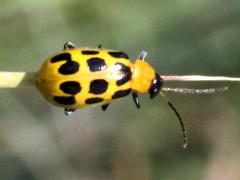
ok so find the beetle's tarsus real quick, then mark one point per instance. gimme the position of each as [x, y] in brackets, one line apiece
[68, 112]
[104, 107]
[142, 55]
[68, 45]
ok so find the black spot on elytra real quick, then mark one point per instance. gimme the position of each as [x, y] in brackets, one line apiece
[96, 64]
[127, 74]
[70, 87]
[98, 86]
[89, 52]
[93, 100]
[117, 54]
[61, 57]
[70, 100]
[121, 93]
[70, 67]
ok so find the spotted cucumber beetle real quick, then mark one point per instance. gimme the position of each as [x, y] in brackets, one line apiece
[82, 77]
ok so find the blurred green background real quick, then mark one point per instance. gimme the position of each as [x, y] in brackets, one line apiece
[38, 142]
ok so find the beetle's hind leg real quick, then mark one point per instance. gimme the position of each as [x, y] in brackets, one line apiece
[68, 112]
[68, 45]
[104, 107]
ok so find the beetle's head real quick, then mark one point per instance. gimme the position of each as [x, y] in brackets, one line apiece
[156, 86]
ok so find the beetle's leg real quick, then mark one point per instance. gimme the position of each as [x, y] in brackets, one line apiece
[136, 99]
[100, 46]
[68, 45]
[104, 107]
[142, 55]
[68, 111]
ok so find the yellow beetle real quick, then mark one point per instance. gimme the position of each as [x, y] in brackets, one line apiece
[79, 77]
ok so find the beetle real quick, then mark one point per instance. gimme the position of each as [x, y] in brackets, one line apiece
[82, 77]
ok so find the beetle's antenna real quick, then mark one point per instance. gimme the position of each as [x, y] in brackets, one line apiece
[184, 132]
[195, 91]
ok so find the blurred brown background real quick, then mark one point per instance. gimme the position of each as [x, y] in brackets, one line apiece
[38, 142]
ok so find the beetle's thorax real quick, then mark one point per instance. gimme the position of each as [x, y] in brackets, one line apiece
[142, 76]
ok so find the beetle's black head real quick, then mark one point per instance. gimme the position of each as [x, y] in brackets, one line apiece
[156, 86]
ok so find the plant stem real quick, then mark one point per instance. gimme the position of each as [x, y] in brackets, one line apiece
[22, 79]
[16, 79]
[198, 78]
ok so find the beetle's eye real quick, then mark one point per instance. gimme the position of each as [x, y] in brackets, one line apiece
[156, 86]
